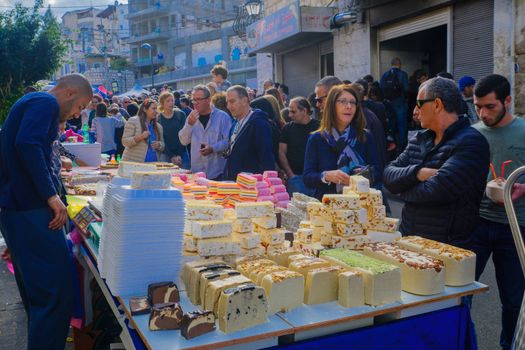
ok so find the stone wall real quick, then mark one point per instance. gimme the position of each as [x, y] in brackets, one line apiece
[101, 77]
[519, 52]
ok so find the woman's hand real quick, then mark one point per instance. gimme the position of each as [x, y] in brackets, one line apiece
[337, 177]
[142, 136]
[155, 145]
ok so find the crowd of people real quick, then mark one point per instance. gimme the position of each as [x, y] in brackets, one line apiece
[316, 142]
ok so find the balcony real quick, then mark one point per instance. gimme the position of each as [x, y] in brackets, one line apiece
[143, 62]
[151, 11]
[153, 36]
[199, 72]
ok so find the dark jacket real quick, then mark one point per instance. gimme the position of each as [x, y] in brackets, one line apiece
[446, 206]
[27, 179]
[320, 156]
[252, 151]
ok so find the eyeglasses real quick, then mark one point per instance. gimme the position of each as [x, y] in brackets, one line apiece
[196, 99]
[320, 99]
[344, 102]
[420, 103]
[126, 102]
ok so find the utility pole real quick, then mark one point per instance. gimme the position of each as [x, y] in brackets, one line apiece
[105, 52]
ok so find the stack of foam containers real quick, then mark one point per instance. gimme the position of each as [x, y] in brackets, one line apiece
[142, 239]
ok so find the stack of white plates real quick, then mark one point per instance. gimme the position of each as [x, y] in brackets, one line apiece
[143, 234]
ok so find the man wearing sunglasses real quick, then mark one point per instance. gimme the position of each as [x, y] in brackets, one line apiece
[322, 87]
[441, 175]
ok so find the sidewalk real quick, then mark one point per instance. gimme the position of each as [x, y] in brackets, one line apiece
[13, 328]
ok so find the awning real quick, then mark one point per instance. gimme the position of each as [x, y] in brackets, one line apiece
[289, 27]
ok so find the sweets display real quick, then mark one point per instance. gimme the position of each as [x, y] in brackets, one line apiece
[382, 281]
[253, 210]
[148, 180]
[163, 292]
[460, 264]
[420, 274]
[351, 289]
[165, 317]
[139, 306]
[196, 323]
[322, 285]
[126, 169]
[241, 307]
[197, 211]
[211, 228]
[264, 275]
[284, 290]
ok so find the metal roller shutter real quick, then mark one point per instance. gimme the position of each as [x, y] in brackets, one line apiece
[415, 24]
[473, 38]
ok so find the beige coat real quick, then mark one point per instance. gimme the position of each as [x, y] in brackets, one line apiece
[136, 151]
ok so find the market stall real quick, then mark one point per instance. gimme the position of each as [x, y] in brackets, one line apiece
[393, 316]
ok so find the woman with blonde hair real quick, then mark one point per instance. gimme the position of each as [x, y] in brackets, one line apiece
[172, 120]
[143, 135]
[341, 147]
[276, 110]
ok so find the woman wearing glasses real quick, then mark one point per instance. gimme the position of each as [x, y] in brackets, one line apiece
[341, 147]
[143, 135]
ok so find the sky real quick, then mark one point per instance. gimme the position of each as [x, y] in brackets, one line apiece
[59, 7]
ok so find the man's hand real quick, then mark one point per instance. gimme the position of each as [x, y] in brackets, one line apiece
[192, 117]
[67, 164]
[206, 151]
[337, 177]
[59, 212]
[518, 190]
[177, 160]
[426, 173]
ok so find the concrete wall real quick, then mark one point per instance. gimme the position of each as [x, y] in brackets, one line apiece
[352, 51]
[264, 69]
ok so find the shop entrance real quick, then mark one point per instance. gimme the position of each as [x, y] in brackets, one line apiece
[426, 49]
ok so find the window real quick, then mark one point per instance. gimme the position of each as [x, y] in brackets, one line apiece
[327, 64]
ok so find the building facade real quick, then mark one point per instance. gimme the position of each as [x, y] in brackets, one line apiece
[433, 35]
[180, 41]
[95, 36]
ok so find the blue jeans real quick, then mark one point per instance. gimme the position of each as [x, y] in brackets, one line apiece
[494, 238]
[296, 184]
[42, 263]
[400, 108]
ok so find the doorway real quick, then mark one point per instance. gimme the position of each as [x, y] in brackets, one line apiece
[426, 49]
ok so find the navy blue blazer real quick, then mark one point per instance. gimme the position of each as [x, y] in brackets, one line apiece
[321, 157]
[252, 151]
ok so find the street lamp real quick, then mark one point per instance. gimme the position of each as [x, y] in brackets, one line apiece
[247, 14]
[253, 7]
[149, 47]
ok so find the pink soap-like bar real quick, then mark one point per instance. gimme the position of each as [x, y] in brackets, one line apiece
[270, 174]
[264, 192]
[274, 181]
[183, 177]
[199, 175]
[259, 177]
[283, 204]
[202, 181]
[282, 196]
[261, 184]
[278, 189]
[265, 199]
